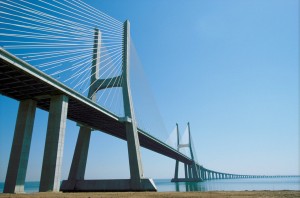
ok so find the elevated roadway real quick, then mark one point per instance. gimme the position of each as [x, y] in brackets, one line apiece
[19, 80]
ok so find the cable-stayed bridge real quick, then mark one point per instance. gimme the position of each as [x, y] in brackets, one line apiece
[72, 60]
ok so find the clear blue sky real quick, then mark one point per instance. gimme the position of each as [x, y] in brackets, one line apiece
[230, 68]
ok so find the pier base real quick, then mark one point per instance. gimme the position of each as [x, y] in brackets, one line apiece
[117, 185]
[186, 180]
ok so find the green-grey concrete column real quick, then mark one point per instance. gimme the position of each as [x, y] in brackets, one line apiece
[202, 173]
[198, 171]
[78, 166]
[77, 169]
[190, 171]
[186, 171]
[133, 144]
[53, 153]
[177, 162]
[18, 160]
[95, 64]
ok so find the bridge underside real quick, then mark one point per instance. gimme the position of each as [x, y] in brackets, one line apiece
[21, 81]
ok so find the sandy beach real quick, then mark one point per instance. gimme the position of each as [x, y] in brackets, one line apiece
[212, 194]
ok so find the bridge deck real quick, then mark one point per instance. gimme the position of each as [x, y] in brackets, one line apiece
[20, 81]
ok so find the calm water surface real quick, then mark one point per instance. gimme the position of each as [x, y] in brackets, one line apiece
[292, 183]
[163, 185]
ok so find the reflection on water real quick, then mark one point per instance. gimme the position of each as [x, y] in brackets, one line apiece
[231, 184]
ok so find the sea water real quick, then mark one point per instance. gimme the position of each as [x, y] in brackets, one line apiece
[163, 185]
[288, 183]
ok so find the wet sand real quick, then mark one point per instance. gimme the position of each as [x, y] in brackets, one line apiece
[212, 194]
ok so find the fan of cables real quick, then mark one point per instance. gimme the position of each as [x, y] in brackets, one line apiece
[57, 37]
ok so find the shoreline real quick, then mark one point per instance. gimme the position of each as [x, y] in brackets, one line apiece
[207, 194]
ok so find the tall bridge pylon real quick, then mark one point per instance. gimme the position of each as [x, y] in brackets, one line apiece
[58, 111]
[191, 171]
[76, 181]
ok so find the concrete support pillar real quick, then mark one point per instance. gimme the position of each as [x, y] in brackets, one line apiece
[186, 171]
[176, 169]
[18, 160]
[53, 153]
[190, 171]
[194, 171]
[177, 162]
[198, 172]
[80, 155]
